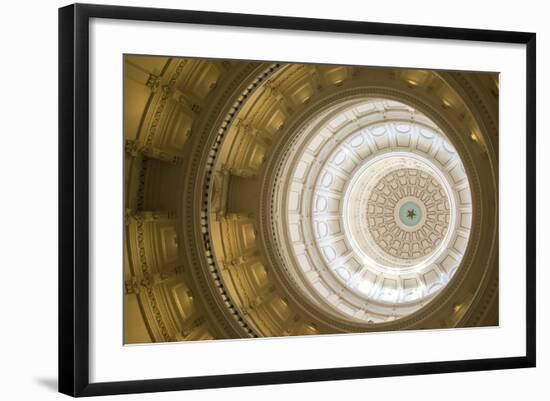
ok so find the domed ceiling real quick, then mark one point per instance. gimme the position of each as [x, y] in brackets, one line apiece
[268, 199]
[374, 216]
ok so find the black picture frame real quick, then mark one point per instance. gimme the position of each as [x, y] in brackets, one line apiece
[74, 194]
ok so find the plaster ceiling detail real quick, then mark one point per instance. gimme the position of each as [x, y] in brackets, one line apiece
[407, 214]
[378, 210]
[399, 211]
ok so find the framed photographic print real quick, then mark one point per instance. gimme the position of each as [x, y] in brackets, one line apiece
[296, 199]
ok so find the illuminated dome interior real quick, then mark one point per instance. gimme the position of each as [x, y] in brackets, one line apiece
[377, 211]
[271, 199]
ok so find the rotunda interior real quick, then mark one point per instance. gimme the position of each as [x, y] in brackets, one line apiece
[267, 199]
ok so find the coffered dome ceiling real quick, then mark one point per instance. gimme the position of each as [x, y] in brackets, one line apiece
[288, 199]
[375, 210]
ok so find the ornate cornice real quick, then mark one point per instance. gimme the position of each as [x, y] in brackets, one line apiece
[199, 186]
